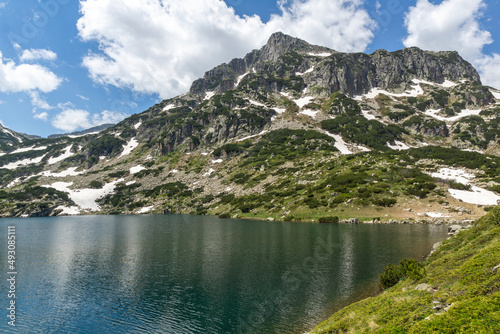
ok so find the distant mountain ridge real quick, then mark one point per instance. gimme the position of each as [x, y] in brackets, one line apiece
[292, 131]
[95, 129]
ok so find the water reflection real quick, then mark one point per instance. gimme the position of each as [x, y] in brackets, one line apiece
[178, 274]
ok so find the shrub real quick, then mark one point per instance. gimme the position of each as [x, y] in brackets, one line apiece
[387, 202]
[96, 184]
[407, 268]
[329, 220]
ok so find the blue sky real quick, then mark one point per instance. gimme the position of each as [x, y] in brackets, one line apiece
[67, 65]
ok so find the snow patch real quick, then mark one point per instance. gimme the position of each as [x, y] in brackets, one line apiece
[340, 144]
[146, 209]
[303, 101]
[469, 150]
[476, 195]
[462, 114]
[416, 91]
[209, 95]
[445, 84]
[210, 171]
[136, 169]
[85, 198]
[168, 107]
[363, 149]
[322, 54]
[137, 125]
[68, 172]
[310, 113]
[85, 134]
[255, 103]
[398, 146]
[129, 183]
[129, 147]
[218, 161]
[252, 136]
[27, 149]
[67, 153]
[71, 211]
[24, 162]
[241, 77]
[436, 215]
[367, 115]
[12, 134]
[496, 95]
[308, 71]
[279, 110]
[13, 183]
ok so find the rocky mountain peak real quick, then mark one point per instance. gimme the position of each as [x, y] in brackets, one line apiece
[280, 44]
[350, 73]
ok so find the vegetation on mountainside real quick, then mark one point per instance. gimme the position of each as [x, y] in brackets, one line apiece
[464, 293]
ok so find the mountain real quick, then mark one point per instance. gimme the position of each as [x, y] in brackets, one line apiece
[292, 131]
[9, 138]
[92, 130]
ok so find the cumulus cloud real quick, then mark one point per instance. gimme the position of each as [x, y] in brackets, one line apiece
[37, 54]
[38, 101]
[71, 119]
[42, 116]
[489, 67]
[161, 46]
[453, 25]
[26, 77]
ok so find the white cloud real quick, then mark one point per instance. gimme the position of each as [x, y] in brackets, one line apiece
[454, 25]
[71, 119]
[107, 117]
[39, 102]
[83, 97]
[489, 67]
[451, 25]
[37, 54]
[26, 77]
[161, 46]
[42, 116]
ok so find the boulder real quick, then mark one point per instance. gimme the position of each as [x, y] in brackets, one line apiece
[454, 229]
[424, 287]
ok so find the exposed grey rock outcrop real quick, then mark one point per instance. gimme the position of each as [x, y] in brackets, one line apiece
[349, 73]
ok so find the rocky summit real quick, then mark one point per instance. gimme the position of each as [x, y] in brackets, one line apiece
[292, 131]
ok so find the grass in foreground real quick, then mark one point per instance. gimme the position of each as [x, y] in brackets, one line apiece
[465, 294]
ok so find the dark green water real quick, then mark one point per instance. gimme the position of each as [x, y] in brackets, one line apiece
[189, 274]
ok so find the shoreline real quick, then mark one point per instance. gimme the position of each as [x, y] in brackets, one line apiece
[353, 221]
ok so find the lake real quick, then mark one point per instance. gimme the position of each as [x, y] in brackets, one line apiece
[194, 274]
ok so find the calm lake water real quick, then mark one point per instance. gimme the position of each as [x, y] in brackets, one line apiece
[190, 274]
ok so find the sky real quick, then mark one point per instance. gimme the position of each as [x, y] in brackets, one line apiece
[67, 65]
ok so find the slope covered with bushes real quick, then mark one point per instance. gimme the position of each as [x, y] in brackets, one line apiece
[459, 293]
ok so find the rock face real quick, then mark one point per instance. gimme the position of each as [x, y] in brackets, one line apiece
[349, 73]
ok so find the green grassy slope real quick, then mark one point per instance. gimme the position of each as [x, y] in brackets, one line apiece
[466, 296]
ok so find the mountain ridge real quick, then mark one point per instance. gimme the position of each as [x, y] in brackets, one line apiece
[291, 131]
